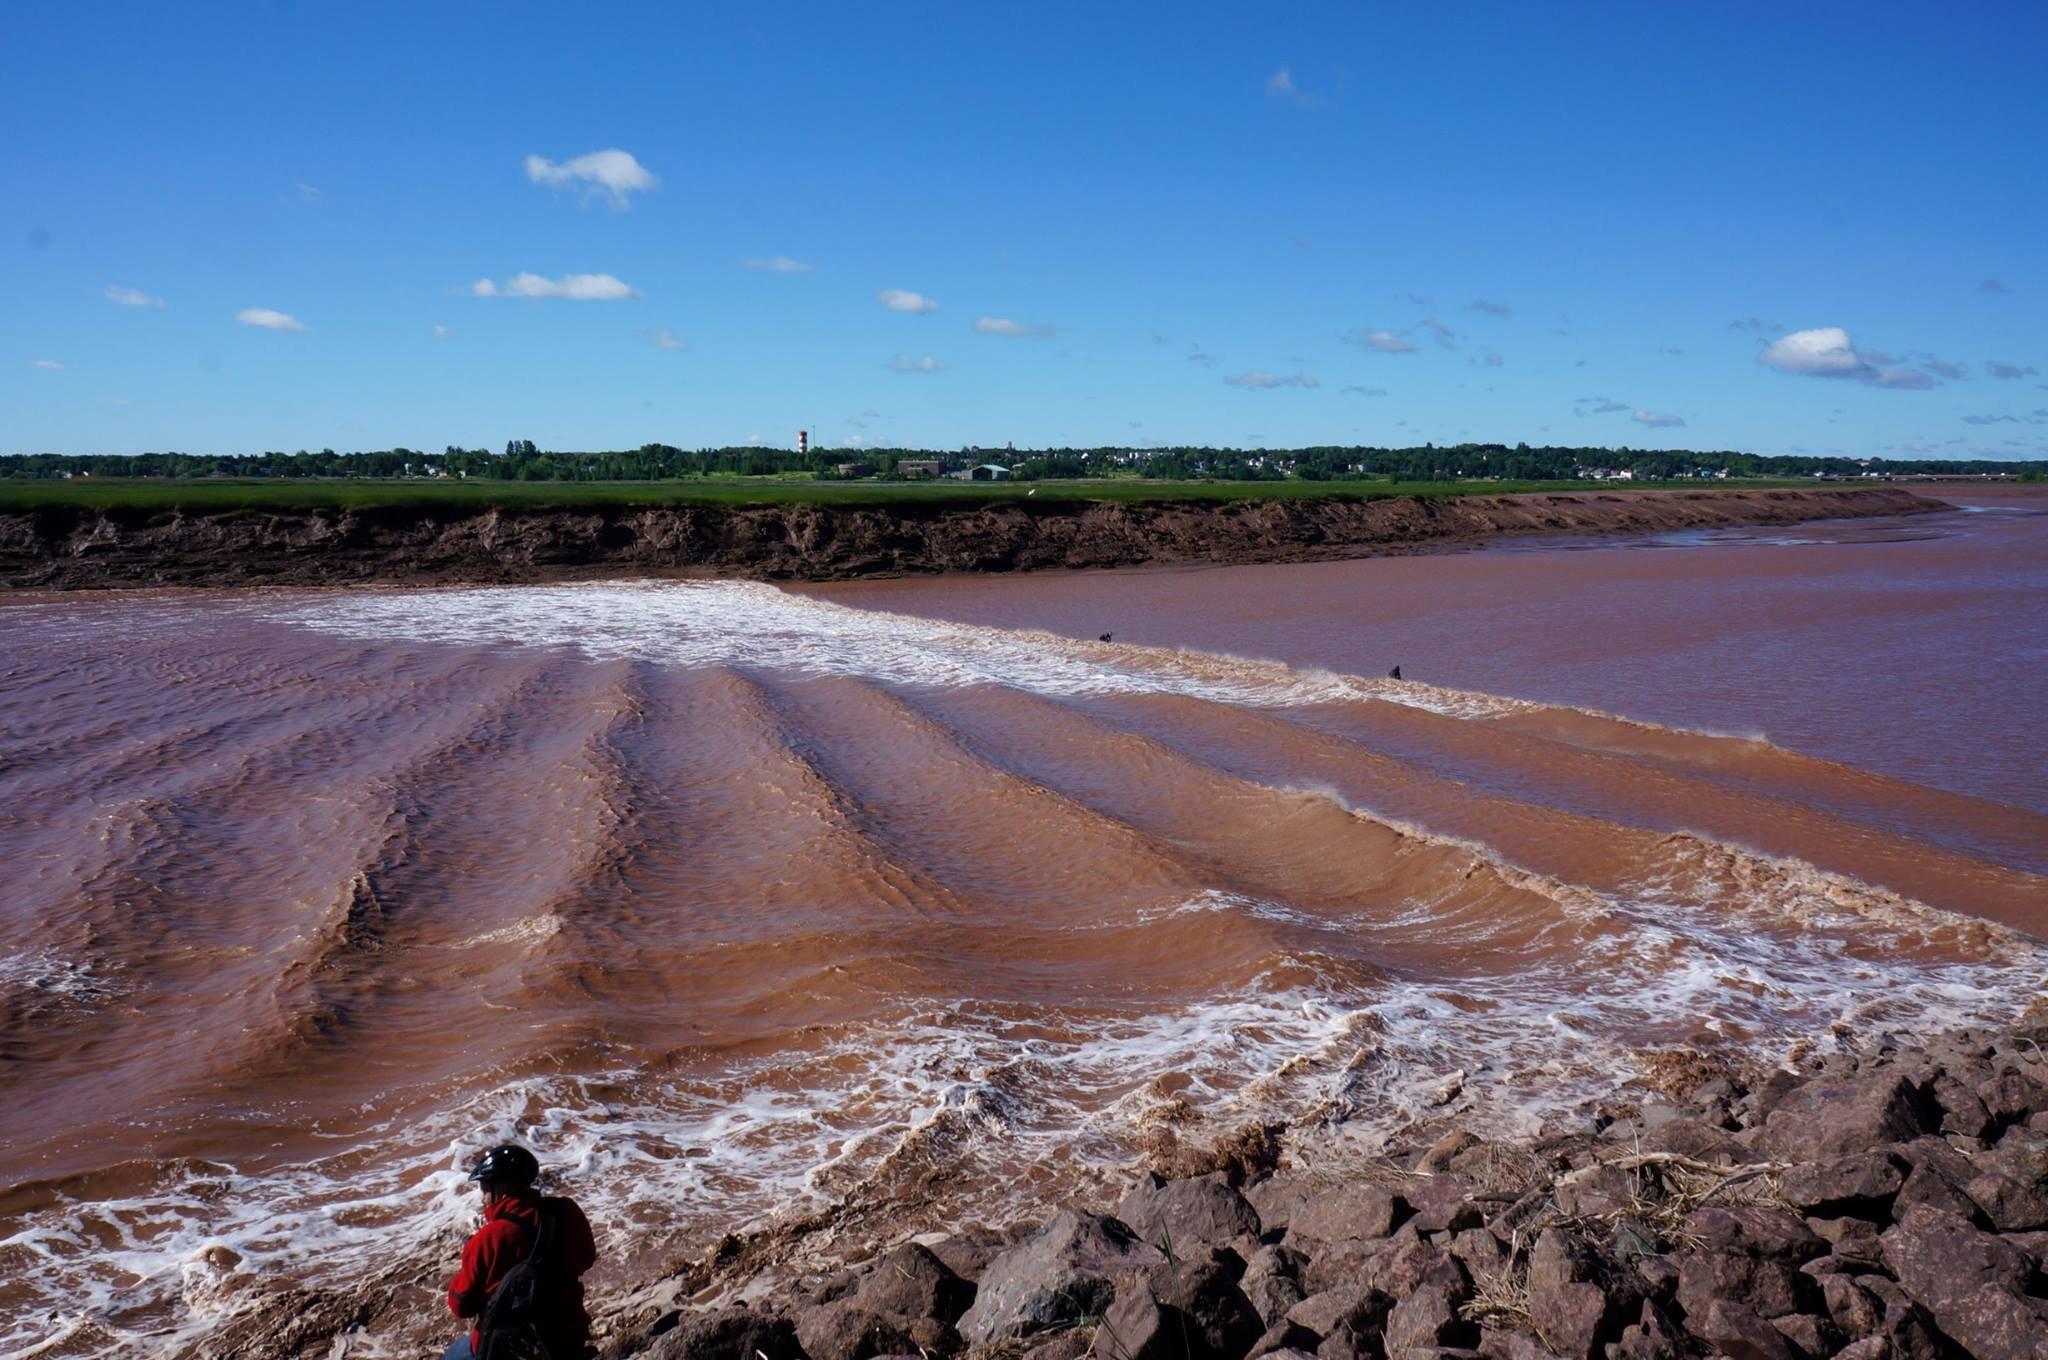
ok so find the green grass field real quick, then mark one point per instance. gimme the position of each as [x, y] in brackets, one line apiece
[226, 495]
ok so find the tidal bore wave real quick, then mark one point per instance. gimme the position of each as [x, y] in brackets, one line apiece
[740, 904]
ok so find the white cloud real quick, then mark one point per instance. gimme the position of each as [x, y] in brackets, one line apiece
[574, 287]
[1281, 85]
[1487, 360]
[307, 193]
[903, 300]
[130, 297]
[1263, 380]
[1999, 370]
[1828, 352]
[663, 340]
[997, 325]
[1499, 309]
[903, 363]
[442, 332]
[612, 172]
[1386, 342]
[1656, 419]
[51, 364]
[1366, 391]
[268, 319]
[775, 264]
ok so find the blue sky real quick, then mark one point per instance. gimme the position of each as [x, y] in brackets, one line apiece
[1355, 223]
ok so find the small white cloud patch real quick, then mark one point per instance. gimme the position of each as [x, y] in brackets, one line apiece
[130, 297]
[903, 300]
[442, 332]
[775, 264]
[903, 363]
[269, 319]
[50, 364]
[1386, 342]
[573, 287]
[1260, 379]
[611, 172]
[1657, 420]
[999, 325]
[663, 340]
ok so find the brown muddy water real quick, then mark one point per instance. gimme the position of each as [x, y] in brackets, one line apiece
[914, 897]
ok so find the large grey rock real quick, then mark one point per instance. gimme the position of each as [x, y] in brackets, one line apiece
[1578, 1301]
[844, 1330]
[910, 1282]
[1342, 1212]
[1764, 1286]
[1065, 1272]
[1136, 1327]
[1428, 1317]
[1443, 1203]
[1272, 1282]
[729, 1334]
[1204, 1291]
[1359, 1307]
[1186, 1214]
[1972, 1284]
[1835, 1116]
[1862, 1184]
[1754, 1231]
[1738, 1333]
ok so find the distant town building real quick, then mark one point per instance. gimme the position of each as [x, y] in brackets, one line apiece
[988, 472]
[918, 467]
[854, 470]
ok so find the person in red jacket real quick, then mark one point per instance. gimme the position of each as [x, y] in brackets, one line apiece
[513, 1216]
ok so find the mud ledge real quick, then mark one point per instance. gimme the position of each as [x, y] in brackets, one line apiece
[71, 548]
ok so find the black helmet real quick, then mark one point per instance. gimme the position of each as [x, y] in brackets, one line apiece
[508, 1164]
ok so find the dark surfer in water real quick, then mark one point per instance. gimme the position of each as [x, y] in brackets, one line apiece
[520, 1275]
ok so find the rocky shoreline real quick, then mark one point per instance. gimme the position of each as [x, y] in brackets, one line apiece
[1888, 1206]
[72, 548]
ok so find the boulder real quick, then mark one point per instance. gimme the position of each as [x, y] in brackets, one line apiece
[1428, 1317]
[1578, 1301]
[1962, 1109]
[1769, 1288]
[1738, 1333]
[1344, 1212]
[1754, 1231]
[1862, 1185]
[911, 1282]
[1359, 1309]
[1972, 1284]
[968, 1253]
[1272, 1282]
[1833, 1117]
[729, 1334]
[1204, 1291]
[844, 1330]
[1284, 1336]
[2011, 1184]
[1136, 1327]
[1185, 1214]
[1650, 1337]
[1809, 1334]
[1929, 1188]
[1443, 1203]
[2010, 1096]
[1066, 1271]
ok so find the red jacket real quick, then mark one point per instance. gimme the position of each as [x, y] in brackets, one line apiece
[510, 1223]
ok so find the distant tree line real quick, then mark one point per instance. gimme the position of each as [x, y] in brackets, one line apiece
[523, 461]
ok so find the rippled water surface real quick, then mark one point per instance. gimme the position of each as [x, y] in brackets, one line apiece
[915, 897]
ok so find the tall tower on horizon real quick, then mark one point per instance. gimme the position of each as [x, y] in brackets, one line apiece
[803, 442]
